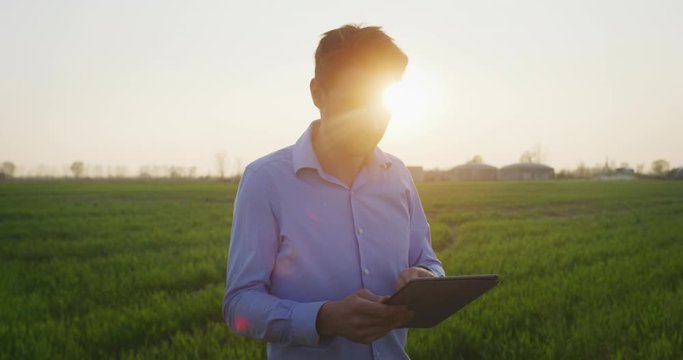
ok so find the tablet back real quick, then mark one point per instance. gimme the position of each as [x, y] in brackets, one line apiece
[435, 299]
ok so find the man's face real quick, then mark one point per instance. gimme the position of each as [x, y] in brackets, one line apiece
[353, 112]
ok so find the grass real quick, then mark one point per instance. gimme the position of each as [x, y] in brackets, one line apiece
[136, 269]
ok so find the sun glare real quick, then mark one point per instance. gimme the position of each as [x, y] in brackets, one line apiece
[410, 102]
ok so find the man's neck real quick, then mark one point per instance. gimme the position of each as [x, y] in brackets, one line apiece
[335, 162]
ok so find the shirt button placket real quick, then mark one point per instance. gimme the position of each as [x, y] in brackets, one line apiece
[359, 233]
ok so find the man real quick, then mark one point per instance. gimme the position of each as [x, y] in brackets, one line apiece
[326, 229]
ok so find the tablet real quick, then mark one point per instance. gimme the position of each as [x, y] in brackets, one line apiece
[435, 299]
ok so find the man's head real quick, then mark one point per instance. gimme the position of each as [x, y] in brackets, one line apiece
[353, 67]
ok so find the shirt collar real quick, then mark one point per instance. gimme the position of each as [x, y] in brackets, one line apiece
[303, 155]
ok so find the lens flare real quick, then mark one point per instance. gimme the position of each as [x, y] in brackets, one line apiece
[241, 324]
[410, 102]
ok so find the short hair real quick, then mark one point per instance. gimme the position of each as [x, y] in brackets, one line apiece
[368, 48]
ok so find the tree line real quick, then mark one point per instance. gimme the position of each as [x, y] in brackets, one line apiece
[80, 170]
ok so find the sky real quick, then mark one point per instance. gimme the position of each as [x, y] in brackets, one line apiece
[136, 83]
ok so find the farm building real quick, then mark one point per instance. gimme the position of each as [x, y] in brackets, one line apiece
[526, 171]
[417, 173]
[473, 171]
[625, 171]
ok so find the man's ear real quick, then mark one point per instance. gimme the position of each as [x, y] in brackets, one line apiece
[316, 93]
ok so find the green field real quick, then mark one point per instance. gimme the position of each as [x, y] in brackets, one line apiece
[107, 269]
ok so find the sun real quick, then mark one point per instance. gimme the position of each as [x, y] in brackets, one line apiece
[410, 102]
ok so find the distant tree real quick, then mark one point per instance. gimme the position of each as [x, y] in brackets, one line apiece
[582, 171]
[145, 172]
[175, 172]
[640, 168]
[120, 171]
[220, 164]
[598, 169]
[607, 168]
[660, 167]
[477, 159]
[613, 164]
[526, 157]
[157, 171]
[77, 169]
[535, 155]
[239, 167]
[7, 169]
[96, 171]
[565, 174]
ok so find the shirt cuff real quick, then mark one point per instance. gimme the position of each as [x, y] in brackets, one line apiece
[304, 317]
[438, 272]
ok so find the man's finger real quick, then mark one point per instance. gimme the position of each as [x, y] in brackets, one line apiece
[370, 322]
[403, 279]
[368, 295]
[382, 311]
[399, 284]
[376, 309]
[422, 272]
[379, 330]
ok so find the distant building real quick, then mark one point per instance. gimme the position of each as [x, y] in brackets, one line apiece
[621, 173]
[624, 171]
[435, 175]
[417, 173]
[473, 172]
[526, 171]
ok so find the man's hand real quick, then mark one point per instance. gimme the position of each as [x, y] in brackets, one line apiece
[361, 317]
[411, 273]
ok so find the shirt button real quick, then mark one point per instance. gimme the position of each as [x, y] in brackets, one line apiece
[360, 231]
[365, 270]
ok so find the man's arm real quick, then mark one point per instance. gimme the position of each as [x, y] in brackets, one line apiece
[248, 308]
[421, 252]
[423, 261]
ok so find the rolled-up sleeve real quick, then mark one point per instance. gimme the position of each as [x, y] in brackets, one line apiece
[248, 307]
[421, 251]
